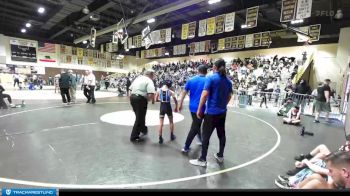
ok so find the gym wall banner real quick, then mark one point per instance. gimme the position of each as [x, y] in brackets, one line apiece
[228, 43]
[303, 9]
[155, 36]
[221, 44]
[162, 35]
[315, 31]
[257, 40]
[192, 30]
[184, 32]
[252, 17]
[211, 26]
[240, 42]
[265, 38]
[234, 42]
[220, 24]
[23, 50]
[202, 28]
[249, 40]
[230, 22]
[202, 46]
[168, 35]
[288, 10]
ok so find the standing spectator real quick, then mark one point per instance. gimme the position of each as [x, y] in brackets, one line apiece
[73, 87]
[194, 86]
[217, 92]
[106, 79]
[128, 83]
[84, 87]
[142, 91]
[16, 80]
[91, 83]
[57, 85]
[50, 81]
[65, 83]
[322, 103]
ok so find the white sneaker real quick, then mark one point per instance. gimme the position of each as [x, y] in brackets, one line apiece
[219, 159]
[12, 105]
[198, 162]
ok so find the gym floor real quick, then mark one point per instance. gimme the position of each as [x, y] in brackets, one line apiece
[46, 144]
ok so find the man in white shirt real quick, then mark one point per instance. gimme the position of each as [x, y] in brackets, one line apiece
[142, 91]
[90, 85]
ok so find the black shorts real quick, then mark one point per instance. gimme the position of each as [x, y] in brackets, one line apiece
[165, 108]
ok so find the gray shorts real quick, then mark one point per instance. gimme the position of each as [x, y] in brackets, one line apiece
[322, 106]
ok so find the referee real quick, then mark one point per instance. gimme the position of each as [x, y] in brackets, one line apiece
[142, 91]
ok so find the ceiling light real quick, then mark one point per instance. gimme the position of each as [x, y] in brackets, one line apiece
[167, 53]
[244, 26]
[23, 30]
[127, 50]
[208, 11]
[213, 1]
[84, 42]
[152, 20]
[86, 10]
[28, 25]
[297, 21]
[41, 10]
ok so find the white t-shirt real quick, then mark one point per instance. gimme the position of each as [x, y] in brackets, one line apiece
[91, 79]
[142, 85]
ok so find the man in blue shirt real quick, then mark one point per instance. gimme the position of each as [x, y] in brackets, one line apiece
[217, 93]
[194, 86]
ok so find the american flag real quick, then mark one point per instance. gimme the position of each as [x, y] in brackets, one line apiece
[46, 47]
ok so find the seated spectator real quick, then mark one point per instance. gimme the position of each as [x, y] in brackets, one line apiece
[2, 97]
[284, 109]
[293, 116]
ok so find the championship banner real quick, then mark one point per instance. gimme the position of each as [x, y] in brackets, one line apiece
[139, 42]
[202, 28]
[183, 48]
[155, 36]
[234, 42]
[288, 10]
[220, 24]
[62, 49]
[143, 54]
[108, 55]
[257, 40]
[134, 41]
[192, 48]
[304, 9]
[265, 38]
[175, 50]
[230, 22]
[196, 47]
[221, 44]
[147, 39]
[69, 50]
[74, 51]
[162, 35]
[91, 52]
[252, 17]
[184, 32]
[304, 30]
[202, 46]
[240, 42]
[192, 30]
[80, 52]
[130, 42]
[228, 43]
[168, 35]
[249, 40]
[160, 52]
[207, 46]
[211, 26]
[315, 31]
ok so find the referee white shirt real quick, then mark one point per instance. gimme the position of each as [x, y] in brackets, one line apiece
[91, 79]
[142, 85]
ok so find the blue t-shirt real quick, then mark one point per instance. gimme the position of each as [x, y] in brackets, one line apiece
[219, 89]
[195, 86]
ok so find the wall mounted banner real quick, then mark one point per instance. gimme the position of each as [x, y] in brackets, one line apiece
[130, 42]
[288, 10]
[175, 50]
[184, 32]
[23, 50]
[192, 48]
[252, 17]
[228, 43]
[62, 49]
[240, 42]
[147, 39]
[221, 44]
[234, 42]
[80, 53]
[265, 38]
[162, 35]
[304, 9]
[168, 35]
[211, 26]
[207, 46]
[202, 46]
[230, 22]
[192, 30]
[315, 31]
[257, 40]
[69, 50]
[155, 36]
[139, 41]
[202, 28]
[220, 24]
[183, 48]
[249, 40]
[196, 47]
[134, 41]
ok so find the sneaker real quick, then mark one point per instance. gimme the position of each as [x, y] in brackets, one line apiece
[282, 185]
[198, 162]
[316, 121]
[136, 140]
[219, 159]
[160, 140]
[12, 105]
[172, 137]
[185, 150]
[283, 178]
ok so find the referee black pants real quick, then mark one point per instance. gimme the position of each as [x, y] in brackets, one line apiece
[210, 123]
[195, 129]
[139, 106]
